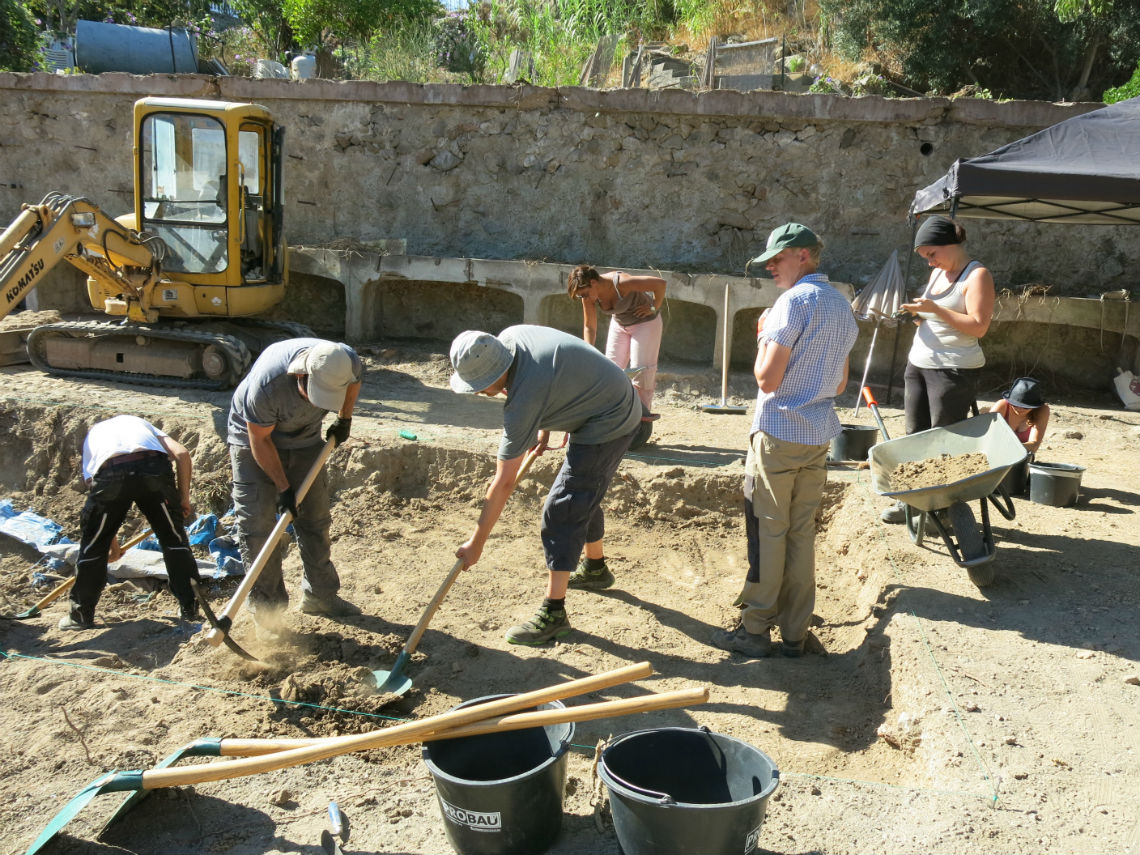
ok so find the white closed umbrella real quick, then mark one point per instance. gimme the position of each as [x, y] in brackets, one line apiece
[880, 301]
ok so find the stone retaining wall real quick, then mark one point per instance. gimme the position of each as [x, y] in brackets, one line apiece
[691, 182]
[685, 183]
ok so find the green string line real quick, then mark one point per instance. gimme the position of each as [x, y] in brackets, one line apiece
[7, 654]
[993, 797]
[986, 774]
[381, 431]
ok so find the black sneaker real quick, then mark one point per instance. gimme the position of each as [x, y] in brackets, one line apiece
[754, 645]
[543, 627]
[591, 580]
[189, 612]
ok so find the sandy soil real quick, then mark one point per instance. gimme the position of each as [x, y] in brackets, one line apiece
[943, 717]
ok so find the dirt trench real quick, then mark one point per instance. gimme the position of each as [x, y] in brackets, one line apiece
[911, 711]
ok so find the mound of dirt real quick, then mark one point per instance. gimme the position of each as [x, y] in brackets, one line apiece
[936, 471]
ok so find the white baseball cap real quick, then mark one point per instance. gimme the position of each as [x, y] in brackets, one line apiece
[329, 368]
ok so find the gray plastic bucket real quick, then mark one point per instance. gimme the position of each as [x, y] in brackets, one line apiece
[501, 793]
[1056, 484]
[853, 443]
[686, 791]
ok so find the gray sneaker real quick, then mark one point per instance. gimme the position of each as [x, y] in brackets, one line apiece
[591, 580]
[73, 620]
[752, 644]
[895, 514]
[543, 627]
[332, 606]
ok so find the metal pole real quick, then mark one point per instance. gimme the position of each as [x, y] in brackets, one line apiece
[866, 369]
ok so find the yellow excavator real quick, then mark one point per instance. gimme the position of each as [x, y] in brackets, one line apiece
[204, 247]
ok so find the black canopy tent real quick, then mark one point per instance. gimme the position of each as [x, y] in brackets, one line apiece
[1083, 170]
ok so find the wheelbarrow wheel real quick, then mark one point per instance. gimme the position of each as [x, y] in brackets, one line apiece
[971, 544]
[981, 575]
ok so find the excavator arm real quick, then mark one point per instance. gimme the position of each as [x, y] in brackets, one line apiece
[73, 229]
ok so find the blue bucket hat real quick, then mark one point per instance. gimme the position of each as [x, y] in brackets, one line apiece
[479, 360]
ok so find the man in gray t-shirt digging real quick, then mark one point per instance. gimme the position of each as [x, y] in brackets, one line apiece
[274, 434]
[553, 382]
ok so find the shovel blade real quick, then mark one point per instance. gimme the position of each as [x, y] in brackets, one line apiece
[391, 682]
[394, 682]
[198, 748]
[109, 783]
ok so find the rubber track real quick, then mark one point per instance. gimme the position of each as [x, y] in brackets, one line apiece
[236, 352]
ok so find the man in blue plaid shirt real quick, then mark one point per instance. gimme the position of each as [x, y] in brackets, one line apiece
[801, 365]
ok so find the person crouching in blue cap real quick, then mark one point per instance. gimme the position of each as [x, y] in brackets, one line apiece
[1026, 412]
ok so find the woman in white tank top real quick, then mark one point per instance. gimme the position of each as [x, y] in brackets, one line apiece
[953, 312]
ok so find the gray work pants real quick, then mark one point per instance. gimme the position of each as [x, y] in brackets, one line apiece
[255, 501]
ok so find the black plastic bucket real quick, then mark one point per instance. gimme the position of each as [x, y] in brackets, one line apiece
[1016, 480]
[1056, 484]
[853, 442]
[683, 791]
[501, 793]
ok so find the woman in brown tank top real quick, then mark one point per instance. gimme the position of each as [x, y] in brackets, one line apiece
[635, 329]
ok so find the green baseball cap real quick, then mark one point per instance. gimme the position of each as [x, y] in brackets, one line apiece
[786, 237]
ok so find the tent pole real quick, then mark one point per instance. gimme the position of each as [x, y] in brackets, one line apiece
[898, 328]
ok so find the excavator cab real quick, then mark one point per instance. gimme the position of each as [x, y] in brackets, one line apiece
[208, 183]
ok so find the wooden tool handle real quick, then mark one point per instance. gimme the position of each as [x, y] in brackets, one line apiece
[421, 627]
[515, 721]
[67, 584]
[57, 592]
[433, 606]
[398, 735]
[214, 636]
[280, 758]
[531, 456]
[584, 712]
[136, 540]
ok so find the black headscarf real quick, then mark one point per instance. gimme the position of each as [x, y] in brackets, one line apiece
[936, 231]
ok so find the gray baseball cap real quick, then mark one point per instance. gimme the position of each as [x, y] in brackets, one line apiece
[479, 360]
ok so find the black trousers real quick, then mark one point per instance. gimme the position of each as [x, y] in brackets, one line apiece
[935, 397]
[149, 484]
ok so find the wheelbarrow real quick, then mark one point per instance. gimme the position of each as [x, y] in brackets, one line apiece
[946, 506]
